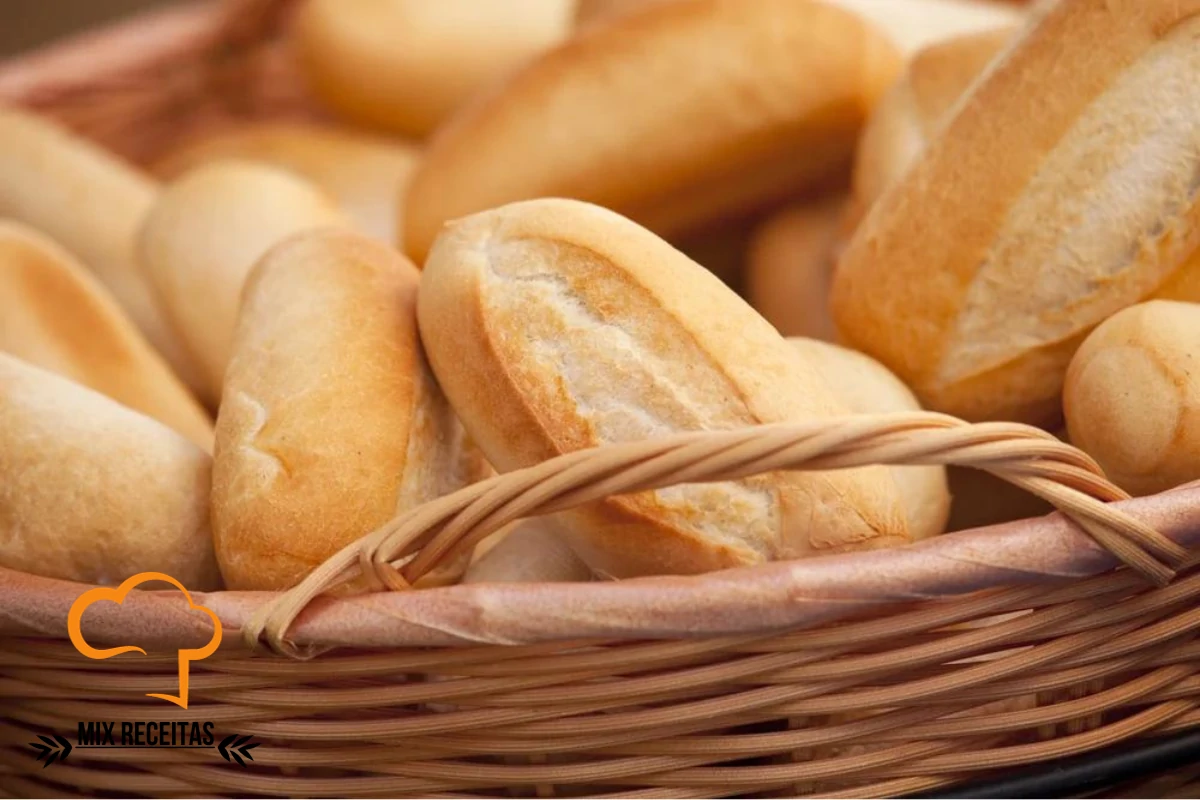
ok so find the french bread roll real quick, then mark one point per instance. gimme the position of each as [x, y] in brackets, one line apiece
[365, 174]
[532, 552]
[55, 315]
[789, 267]
[909, 114]
[330, 423]
[404, 65]
[91, 203]
[864, 386]
[92, 491]
[1045, 205]
[1132, 396]
[675, 116]
[555, 325]
[203, 236]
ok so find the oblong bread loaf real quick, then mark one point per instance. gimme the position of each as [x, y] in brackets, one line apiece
[864, 386]
[91, 203]
[203, 236]
[404, 65]
[1132, 396]
[675, 116]
[91, 491]
[331, 422]
[532, 552]
[555, 325]
[365, 174]
[789, 267]
[55, 315]
[1065, 188]
[911, 112]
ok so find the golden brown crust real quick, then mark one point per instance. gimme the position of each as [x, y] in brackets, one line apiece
[720, 106]
[908, 116]
[365, 174]
[201, 239]
[330, 423]
[1037, 213]
[790, 266]
[555, 325]
[91, 203]
[404, 65]
[54, 315]
[1131, 397]
[91, 491]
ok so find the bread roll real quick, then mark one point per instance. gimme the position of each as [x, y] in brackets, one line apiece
[675, 116]
[864, 386]
[404, 65]
[1132, 396]
[909, 114]
[91, 491]
[202, 238]
[1046, 205]
[555, 325]
[533, 552]
[55, 315]
[365, 174]
[91, 203]
[790, 267]
[331, 423]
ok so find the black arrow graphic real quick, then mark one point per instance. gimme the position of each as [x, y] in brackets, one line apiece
[56, 749]
[235, 749]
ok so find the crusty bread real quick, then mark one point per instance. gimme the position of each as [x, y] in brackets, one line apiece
[675, 116]
[404, 65]
[91, 491]
[330, 423]
[532, 552]
[555, 325]
[203, 236]
[365, 174]
[789, 267]
[1045, 205]
[1132, 396]
[91, 203]
[864, 386]
[55, 315]
[908, 116]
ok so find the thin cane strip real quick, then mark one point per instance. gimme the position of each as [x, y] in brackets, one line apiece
[132, 683]
[1164, 630]
[898, 787]
[124, 782]
[62, 712]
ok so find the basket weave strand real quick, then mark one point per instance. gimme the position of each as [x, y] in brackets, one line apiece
[409, 547]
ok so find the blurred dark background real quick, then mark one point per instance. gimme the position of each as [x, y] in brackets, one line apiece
[25, 24]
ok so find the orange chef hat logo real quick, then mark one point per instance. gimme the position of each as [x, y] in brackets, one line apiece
[117, 595]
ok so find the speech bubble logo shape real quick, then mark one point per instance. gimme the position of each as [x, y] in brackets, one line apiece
[117, 595]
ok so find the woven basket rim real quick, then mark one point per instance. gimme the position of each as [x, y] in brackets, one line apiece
[754, 600]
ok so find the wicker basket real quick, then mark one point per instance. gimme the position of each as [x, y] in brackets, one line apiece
[875, 674]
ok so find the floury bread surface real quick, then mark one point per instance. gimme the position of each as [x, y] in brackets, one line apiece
[330, 422]
[91, 491]
[1065, 188]
[674, 116]
[555, 325]
[55, 315]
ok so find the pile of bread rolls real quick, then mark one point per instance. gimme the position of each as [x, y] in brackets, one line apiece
[526, 228]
